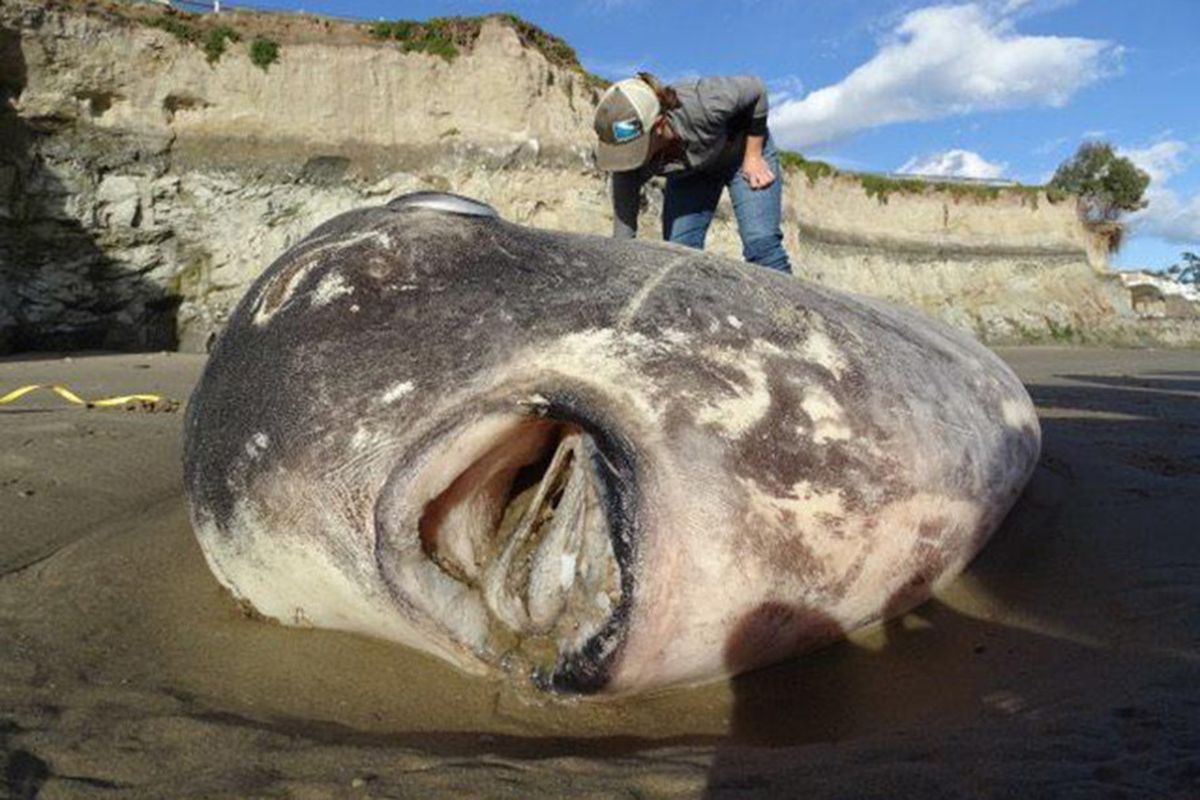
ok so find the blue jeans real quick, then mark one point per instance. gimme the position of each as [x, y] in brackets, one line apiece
[690, 202]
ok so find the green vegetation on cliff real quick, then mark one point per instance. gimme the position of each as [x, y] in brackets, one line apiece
[881, 187]
[814, 170]
[444, 37]
[1107, 184]
[438, 36]
[1187, 270]
[214, 39]
[556, 50]
[215, 42]
[448, 36]
[264, 52]
[178, 27]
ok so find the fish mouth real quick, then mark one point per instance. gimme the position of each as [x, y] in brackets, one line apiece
[521, 547]
[523, 525]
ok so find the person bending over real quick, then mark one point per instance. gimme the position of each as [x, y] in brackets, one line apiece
[704, 135]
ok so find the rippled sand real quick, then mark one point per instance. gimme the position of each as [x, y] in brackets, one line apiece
[1065, 663]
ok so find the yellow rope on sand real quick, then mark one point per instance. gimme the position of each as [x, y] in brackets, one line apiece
[147, 402]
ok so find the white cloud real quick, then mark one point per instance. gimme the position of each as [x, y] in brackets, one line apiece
[1170, 216]
[780, 90]
[1167, 214]
[954, 163]
[1161, 160]
[945, 60]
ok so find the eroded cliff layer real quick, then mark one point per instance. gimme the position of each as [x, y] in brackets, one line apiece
[144, 183]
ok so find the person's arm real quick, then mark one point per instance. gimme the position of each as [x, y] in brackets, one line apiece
[626, 197]
[752, 93]
[754, 167]
[743, 100]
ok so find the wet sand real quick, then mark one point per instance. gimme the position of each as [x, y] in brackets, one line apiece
[1064, 663]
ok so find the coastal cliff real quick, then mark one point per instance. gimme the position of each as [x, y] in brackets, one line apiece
[144, 183]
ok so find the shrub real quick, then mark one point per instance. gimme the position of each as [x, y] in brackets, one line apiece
[815, 170]
[439, 36]
[880, 186]
[445, 36]
[1187, 270]
[181, 30]
[1107, 184]
[215, 41]
[556, 50]
[264, 52]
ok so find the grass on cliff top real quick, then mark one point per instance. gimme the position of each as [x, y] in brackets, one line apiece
[447, 36]
[438, 36]
[214, 39]
[883, 186]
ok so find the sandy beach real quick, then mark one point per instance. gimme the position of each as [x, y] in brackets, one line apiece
[1064, 663]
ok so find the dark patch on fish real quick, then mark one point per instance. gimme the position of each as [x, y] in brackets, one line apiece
[774, 631]
[928, 561]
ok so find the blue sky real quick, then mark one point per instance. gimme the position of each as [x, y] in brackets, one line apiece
[991, 88]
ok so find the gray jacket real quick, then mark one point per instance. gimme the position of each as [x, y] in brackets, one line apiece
[712, 121]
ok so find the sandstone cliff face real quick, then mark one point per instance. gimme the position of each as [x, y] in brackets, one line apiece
[142, 188]
[1016, 267]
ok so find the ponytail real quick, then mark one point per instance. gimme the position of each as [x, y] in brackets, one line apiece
[667, 98]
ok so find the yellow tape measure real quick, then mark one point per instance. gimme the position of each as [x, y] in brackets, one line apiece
[145, 401]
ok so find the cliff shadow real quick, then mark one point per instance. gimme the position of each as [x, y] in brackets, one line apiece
[59, 289]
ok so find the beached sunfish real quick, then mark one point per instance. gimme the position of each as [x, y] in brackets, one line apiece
[589, 464]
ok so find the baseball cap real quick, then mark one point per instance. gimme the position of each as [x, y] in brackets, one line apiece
[626, 113]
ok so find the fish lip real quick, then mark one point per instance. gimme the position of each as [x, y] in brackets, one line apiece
[614, 468]
[590, 669]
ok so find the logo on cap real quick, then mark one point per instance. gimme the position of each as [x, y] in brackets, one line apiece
[626, 130]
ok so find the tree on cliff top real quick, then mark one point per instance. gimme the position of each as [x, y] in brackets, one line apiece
[1107, 184]
[1187, 270]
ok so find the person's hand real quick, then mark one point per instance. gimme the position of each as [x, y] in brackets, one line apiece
[757, 173]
